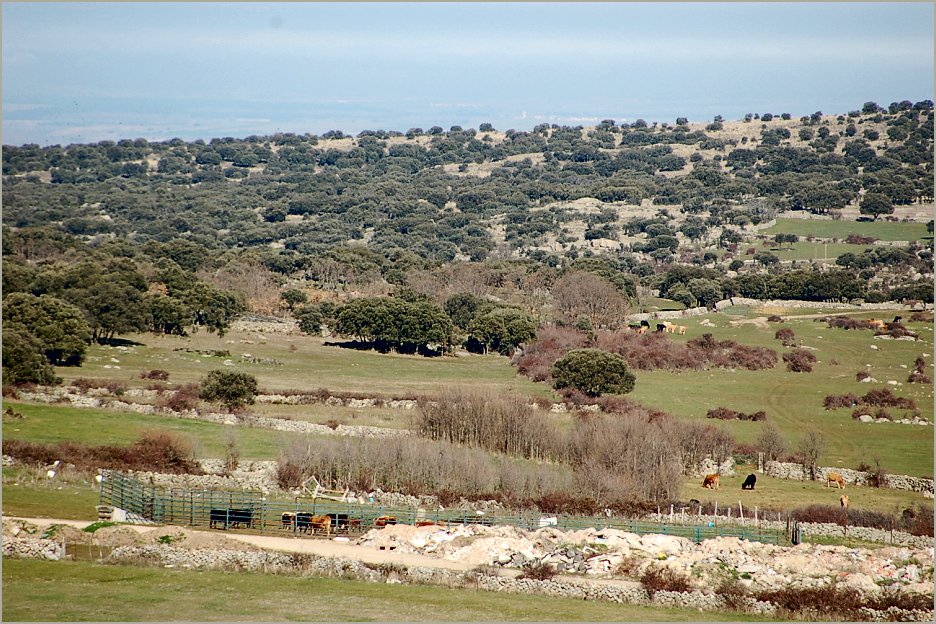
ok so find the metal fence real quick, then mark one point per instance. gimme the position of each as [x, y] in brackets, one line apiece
[222, 509]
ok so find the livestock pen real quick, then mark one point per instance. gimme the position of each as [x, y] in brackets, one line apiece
[253, 510]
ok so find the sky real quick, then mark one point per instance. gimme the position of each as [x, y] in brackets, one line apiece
[86, 72]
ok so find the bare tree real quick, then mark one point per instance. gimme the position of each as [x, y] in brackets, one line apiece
[579, 293]
[810, 447]
[771, 443]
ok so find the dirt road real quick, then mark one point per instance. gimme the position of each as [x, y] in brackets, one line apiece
[320, 547]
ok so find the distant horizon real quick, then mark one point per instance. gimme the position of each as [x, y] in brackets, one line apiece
[87, 72]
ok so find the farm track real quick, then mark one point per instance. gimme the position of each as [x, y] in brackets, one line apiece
[324, 547]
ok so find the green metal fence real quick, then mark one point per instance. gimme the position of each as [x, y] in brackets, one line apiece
[252, 510]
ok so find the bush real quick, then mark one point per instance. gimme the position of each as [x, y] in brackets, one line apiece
[733, 592]
[723, 413]
[834, 401]
[878, 476]
[156, 451]
[787, 336]
[862, 375]
[157, 374]
[857, 239]
[799, 361]
[773, 318]
[883, 397]
[537, 571]
[184, 399]
[664, 579]
[231, 389]
[594, 372]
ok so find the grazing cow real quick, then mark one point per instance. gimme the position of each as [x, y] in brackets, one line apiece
[749, 482]
[843, 501]
[660, 328]
[645, 324]
[383, 521]
[681, 329]
[634, 326]
[834, 477]
[289, 519]
[897, 319]
[711, 481]
[876, 323]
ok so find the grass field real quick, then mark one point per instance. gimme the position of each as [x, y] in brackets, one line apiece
[793, 401]
[820, 252]
[59, 423]
[24, 494]
[779, 494]
[81, 591]
[881, 230]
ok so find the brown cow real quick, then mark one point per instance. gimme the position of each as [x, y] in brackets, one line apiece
[682, 329]
[834, 477]
[710, 481]
[877, 323]
[843, 501]
[383, 521]
[320, 523]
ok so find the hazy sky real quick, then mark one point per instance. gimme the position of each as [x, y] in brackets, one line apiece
[84, 72]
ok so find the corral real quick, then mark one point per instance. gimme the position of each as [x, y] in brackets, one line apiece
[252, 510]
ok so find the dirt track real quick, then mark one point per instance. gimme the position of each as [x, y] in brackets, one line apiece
[321, 547]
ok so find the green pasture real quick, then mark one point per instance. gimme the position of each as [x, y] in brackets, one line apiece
[785, 494]
[28, 493]
[302, 363]
[819, 252]
[881, 230]
[794, 401]
[60, 423]
[70, 591]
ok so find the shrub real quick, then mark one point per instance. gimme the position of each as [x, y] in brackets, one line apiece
[920, 378]
[184, 399]
[883, 397]
[773, 318]
[862, 375]
[799, 361]
[594, 372]
[921, 317]
[733, 592]
[157, 374]
[156, 451]
[485, 420]
[834, 401]
[231, 389]
[857, 239]
[828, 601]
[664, 579]
[878, 476]
[723, 413]
[787, 336]
[538, 571]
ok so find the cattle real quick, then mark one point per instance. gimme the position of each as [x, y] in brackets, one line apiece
[749, 482]
[710, 481]
[876, 324]
[834, 477]
[241, 518]
[682, 329]
[218, 516]
[843, 501]
[383, 521]
[660, 328]
[634, 326]
[645, 324]
[343, 522]
[230, 518]
[424, 523]
[289, 519]
[307, 523]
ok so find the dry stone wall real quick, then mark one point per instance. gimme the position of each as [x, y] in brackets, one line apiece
[794, 471]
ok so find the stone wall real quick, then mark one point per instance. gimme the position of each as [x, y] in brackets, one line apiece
[788, 470]
[32, 548]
